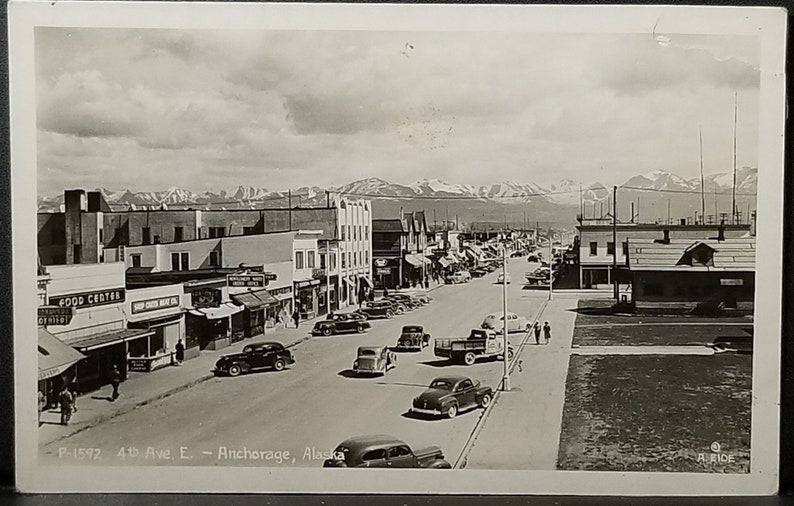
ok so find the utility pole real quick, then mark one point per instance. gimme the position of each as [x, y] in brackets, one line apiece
[702, 182]
[505, 354]
[733, 198]
[551, 265]
[668, 211]
[289, 205]
[327, 199]
[615, 240]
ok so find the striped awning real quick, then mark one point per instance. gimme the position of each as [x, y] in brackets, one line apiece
[214, 313]
[254, 300]
[413, 260]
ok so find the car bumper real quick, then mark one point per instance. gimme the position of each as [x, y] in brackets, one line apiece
[426, 411]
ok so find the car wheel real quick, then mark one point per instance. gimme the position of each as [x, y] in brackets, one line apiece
[360, 329]
[235, 370]
[389, 314]
[485, 401]
[452, 411]
[279, 365]
[326, 331]
[469, 358]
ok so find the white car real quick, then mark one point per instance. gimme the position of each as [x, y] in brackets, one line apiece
[502, 278]
[515, 323]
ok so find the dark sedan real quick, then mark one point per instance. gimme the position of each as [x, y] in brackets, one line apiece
[378, 309]
[413, 337]
[267, 355]
[449, 395]
[339, 323]
[381, 451]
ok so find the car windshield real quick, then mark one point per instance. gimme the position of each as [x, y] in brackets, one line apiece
[366, 353]
[409, 330]
[248, 349]
[441, 384]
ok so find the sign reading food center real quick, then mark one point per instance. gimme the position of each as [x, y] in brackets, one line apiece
[246, 280]
[143, 306]
[89, 299]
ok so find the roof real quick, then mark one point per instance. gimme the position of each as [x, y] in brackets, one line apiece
[99, 340]
[373, 439]
[387, 225]
[370, 348]
[735, 254]
[452, 378]
[55, 356]
[264, 343]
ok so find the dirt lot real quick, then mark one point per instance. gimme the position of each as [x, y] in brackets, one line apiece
[657, 413]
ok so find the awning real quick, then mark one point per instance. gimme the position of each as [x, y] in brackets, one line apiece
[444, 262]
[366, 281]
[254, 300]
[413, 260]
[214, 313]
[88, 343]
[427, 260]
[55, 356]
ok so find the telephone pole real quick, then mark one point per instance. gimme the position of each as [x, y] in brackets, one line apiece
[615, 240]
[506, 361]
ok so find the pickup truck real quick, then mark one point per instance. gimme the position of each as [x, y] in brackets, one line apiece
[385, 452]
[481, 343]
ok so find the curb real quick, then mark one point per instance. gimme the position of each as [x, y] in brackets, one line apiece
[162, 395]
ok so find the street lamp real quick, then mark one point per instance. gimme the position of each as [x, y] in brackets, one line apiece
[506, 376]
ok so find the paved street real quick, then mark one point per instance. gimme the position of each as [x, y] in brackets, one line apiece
[315, 404]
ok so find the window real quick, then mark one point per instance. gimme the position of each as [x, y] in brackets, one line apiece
[366, 232]
[610, 248]
[349, 259]
[101, 236]
[654, 289]
[349, 233]
[464, 385]
[299, 259]
[625, 248]
[249, 230]
[185, 261]
[361, 258]
[146, 235]
[343, 232]
[136, 260]
[355, 232]
[332, 263]
[214, 259]
[399, 451]
[178, 231]
[322, 260]
[217, 232]
[180, 261]
[344, 264]
[593, 248]
[310, 259]
[374, 455]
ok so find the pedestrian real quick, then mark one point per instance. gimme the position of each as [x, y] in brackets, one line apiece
[296, 317]
[385, 292]
[66, 400]
[547, 332]
[180, 352]
[42, 404]
[536, 328]
[115, 381]
[427, 284]
[372, 295]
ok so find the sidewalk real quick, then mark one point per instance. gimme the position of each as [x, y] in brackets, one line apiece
[522, 430]
[144, 388]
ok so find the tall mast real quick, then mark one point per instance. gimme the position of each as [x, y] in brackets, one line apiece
[702, 182]
[733, 198]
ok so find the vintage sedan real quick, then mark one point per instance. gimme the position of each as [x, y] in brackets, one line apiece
[406, 300]
[377, 309]
[384, 452]
[339, 323]
[265, 355]
[515, 323]
[478, 272]
[413, 337]
[417, 295]
[449, 395]
[458, 277]
[374, 360]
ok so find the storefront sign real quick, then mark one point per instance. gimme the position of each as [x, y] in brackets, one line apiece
[304, 284]
[731, 282]
[384, 271]
[206, 297]
[246, 280]
[55, 315]
[89, 299]
[143, 306]
[381, 262]
[138, 365]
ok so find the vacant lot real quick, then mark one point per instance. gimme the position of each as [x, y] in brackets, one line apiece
[654, 335]
[656, 413]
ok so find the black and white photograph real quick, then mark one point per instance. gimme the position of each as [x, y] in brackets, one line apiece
[277, 242]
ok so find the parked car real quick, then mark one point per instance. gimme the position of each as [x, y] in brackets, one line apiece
[416, 295]
[478, 272]
[265, 355]
[450, 395]
[377, 309]
[742, 345]
[374, 360]
[458, 277]
[338, 323]
[413, 337]
[385, 451]
[502, 279]
[515, 323]
[408, 303]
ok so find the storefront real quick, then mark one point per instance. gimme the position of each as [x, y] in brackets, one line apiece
[56, 365]
[386, 272]
[280, 312]
[417, 269]
[307, 294]
[259, 305]
[212, 321]
[158, 309]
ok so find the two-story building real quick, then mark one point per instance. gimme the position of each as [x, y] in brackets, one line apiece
[597, 246]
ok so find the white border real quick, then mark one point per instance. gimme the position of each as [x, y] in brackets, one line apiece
[768, 24]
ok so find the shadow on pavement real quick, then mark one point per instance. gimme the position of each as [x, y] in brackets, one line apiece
[420, 416]
[437, 363]
[349, 373]
[402, 384]
[100, 398]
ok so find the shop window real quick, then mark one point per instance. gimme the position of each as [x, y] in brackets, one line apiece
[136, 260]
[593, 248]
[146, 235]
[610, 248]
[214, 262]
[299, 259]
[654, 289]
[178, 233]
[310, 259]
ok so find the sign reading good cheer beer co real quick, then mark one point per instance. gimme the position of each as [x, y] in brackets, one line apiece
[89, 299]
[143, 306]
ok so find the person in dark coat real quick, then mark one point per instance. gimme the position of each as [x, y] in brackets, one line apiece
[66, 400]
[180, 352]
[296, 317]
[547, 332]
[385, 292]
[536, 329]
[372, 295]
[115, 381]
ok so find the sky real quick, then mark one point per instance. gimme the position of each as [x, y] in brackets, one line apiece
[207, 110]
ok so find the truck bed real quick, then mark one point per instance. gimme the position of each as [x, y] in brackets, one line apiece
[446, 347]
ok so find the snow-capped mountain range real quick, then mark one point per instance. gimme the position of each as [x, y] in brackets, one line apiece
[565, 192]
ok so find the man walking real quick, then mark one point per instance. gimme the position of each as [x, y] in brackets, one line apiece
[180, 352]
[536, 328]
[296, 317]
[115, 380]
[547, 332]
[66, 400]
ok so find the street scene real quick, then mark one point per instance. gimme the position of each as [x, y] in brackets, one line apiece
[309, 249]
